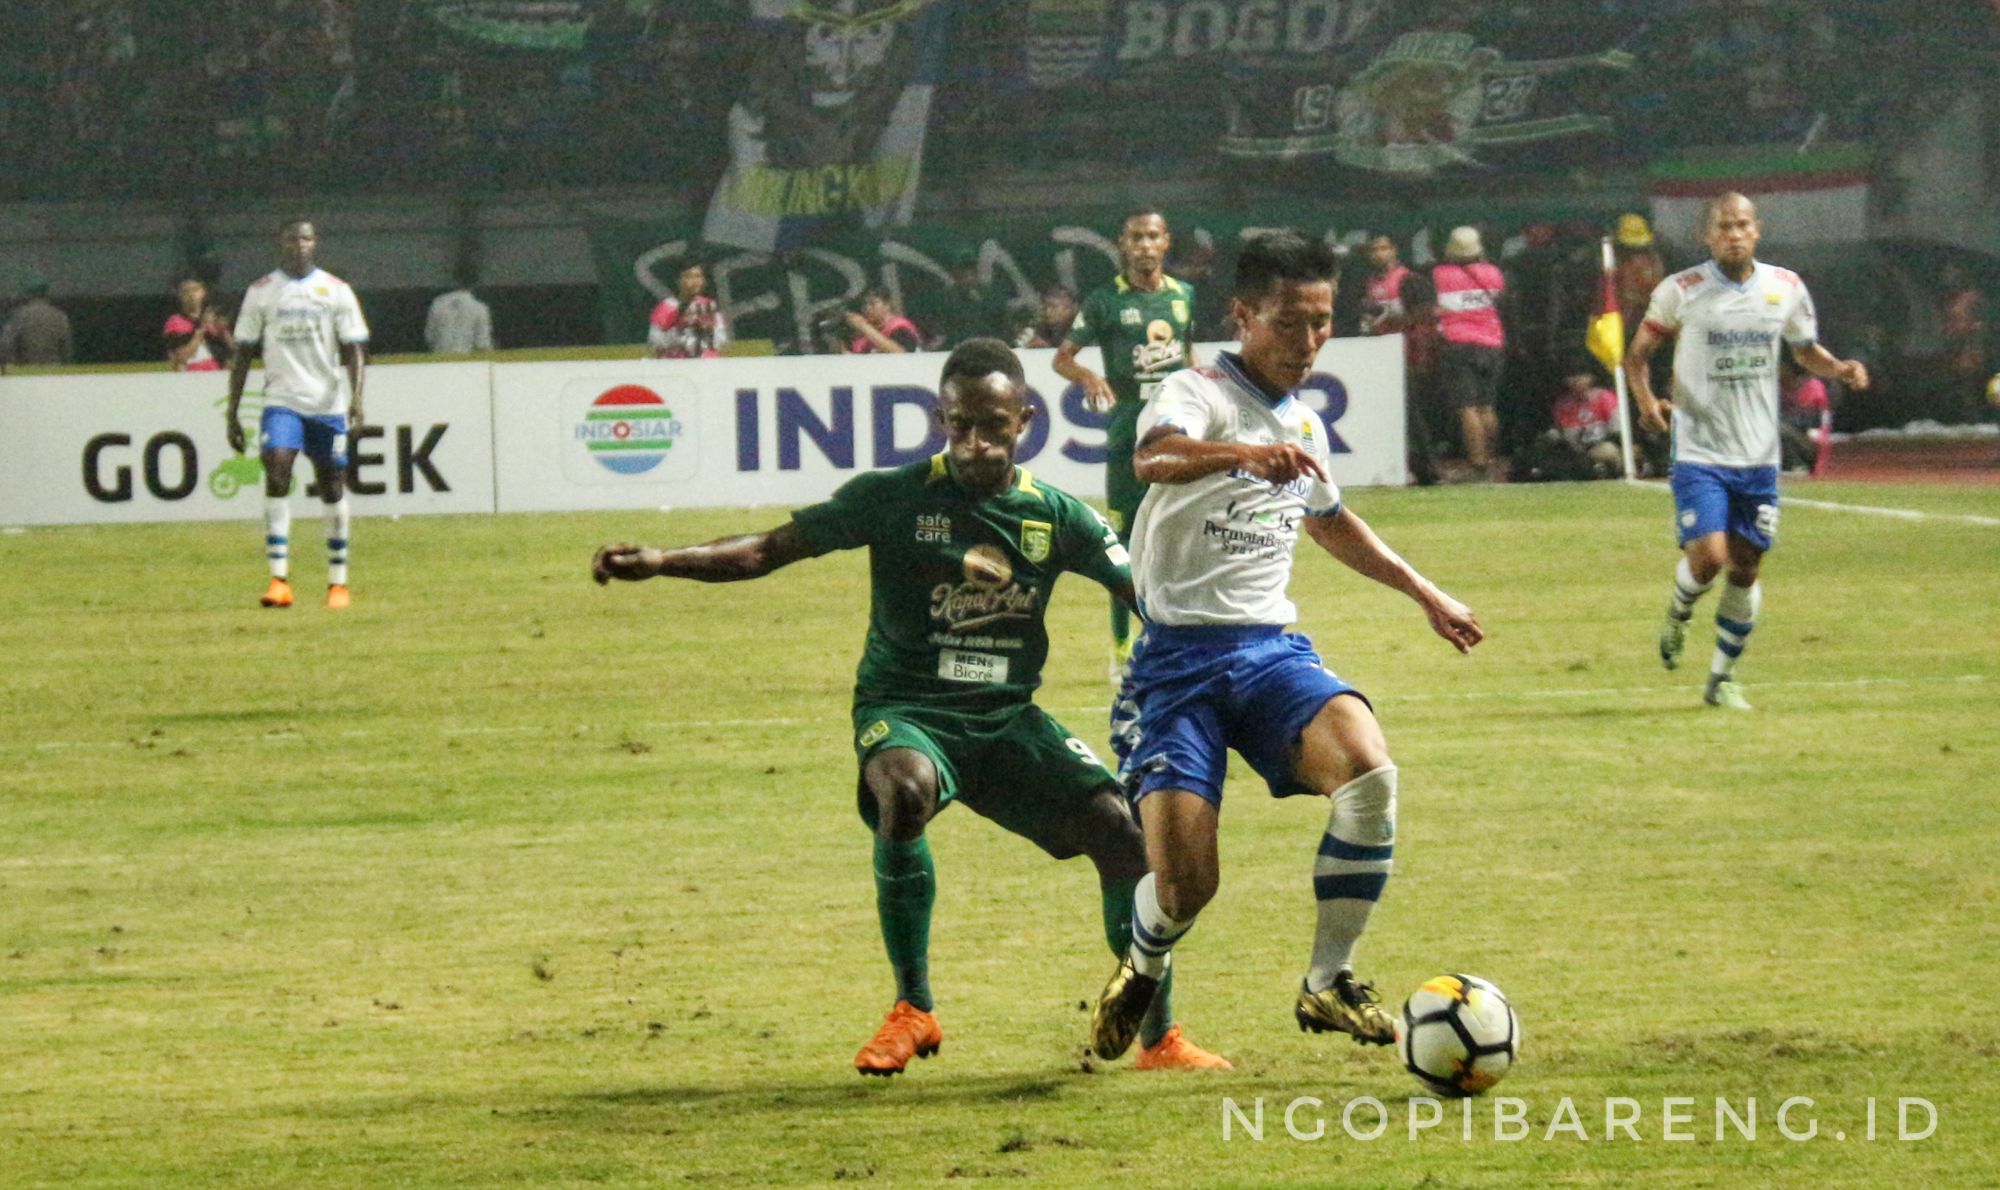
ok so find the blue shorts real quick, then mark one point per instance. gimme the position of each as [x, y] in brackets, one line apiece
[322, 437]
[1192, 694]
[1738, 500]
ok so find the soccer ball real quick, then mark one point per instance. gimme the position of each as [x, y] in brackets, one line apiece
[1457, 1034]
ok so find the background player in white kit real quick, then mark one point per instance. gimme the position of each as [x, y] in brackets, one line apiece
[307, 325]
[1732, 315]
[1238, 465]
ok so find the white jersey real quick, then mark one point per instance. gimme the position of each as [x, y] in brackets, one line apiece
[1219, 550]
[300, 322]
[1725, 390]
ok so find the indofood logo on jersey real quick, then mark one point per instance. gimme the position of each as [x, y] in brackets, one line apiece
[628, 429]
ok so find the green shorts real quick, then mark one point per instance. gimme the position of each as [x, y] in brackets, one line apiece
[1122, 489]
[1016, 766]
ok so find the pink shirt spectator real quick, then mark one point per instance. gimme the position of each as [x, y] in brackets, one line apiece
[696, 332]
[1468, 297]
[1385, 302]
[1806, 400]
[1588, 419]
[898, 328]
[179, 330]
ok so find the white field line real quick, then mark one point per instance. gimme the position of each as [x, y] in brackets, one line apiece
[581, 730]
[1900, 514]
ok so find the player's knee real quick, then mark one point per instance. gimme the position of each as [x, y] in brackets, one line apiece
[903, 801]
[1364, 809]
[1184, 894]
[1743, 576]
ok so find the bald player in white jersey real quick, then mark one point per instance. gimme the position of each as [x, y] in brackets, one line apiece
[1238, 466]
[307, 325]
[1730, 317]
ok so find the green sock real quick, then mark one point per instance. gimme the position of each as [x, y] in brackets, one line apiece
[1118, 932]
[905, 890]
[1121, 626]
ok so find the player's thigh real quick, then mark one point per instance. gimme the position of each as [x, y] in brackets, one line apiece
[906, 769]
[1753, 514]
[1295, 722]
[1701, 511]
[326, 445]
[1042, 782]
[1343, 741]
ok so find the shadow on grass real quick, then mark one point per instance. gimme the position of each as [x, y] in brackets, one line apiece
[975, 1089]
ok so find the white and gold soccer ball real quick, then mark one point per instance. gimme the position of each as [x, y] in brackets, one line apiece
[1458, 1034]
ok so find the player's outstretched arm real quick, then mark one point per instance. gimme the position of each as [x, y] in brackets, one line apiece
[1827, 366]
[1349, 539]
[724, 560]
[1653, 412]
[1169, 456]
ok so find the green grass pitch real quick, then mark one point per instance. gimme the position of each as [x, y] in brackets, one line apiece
[499, 878]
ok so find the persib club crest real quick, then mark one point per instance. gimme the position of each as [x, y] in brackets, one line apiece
[1036, 539]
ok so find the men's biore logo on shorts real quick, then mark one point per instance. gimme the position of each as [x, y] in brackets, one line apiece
[628, 429]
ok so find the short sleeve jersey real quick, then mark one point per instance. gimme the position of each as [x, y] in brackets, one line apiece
[1726, 358]
[1219, 550]
[1144, 335]
[300, 322]
[958, 586]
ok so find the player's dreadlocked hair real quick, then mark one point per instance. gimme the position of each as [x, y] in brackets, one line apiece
[980, 357]
[1279, 256]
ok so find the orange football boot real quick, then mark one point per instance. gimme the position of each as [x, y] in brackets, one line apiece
[338, 597]
[1175, 1052]
[908, 1031]
[278, 594]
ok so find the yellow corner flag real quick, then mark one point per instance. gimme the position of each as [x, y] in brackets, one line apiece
[1606, 337]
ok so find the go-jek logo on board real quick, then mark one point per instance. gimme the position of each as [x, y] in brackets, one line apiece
[628, 429]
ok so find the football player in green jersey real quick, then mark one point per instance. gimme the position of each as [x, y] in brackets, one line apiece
[1142, 323]
[964, 551]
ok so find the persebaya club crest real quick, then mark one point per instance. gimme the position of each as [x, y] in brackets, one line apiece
[1036, 539]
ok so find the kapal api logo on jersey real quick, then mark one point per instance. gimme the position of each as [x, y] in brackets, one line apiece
[988, 594]
[1162, 349]
[628, 429]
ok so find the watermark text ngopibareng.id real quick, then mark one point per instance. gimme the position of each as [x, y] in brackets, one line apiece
[1615, 1118]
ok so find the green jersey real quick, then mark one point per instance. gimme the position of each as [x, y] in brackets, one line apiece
[958, 586]
[1144, 336]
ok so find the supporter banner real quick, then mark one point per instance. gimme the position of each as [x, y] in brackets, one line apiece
[784, 298]
[1072, 41]
[149, 447]
[828, 131]
[1819, 196]
[1431, 99]
[698, 433]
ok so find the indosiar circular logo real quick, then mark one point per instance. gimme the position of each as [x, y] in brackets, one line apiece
[629, 429]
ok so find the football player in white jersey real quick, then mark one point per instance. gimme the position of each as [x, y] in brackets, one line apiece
[1238, 466]
[1731, 317]
[307, 325]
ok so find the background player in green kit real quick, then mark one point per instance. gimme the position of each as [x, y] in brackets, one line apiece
[1142, 323]
[964, 551]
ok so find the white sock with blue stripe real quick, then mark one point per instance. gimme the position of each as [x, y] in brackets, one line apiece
[1353, 865]
[1735, 616]
[338, 521]
[1153, 932]
[278, 535]
[1686, 591]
